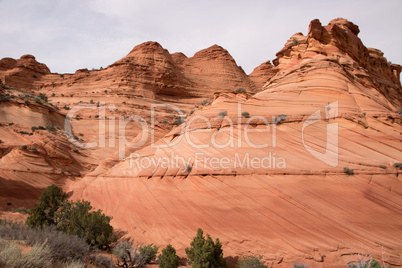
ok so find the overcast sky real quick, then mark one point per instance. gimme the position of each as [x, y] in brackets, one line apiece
[68, 35]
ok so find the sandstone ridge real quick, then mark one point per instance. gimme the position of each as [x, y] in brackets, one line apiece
[330, 182]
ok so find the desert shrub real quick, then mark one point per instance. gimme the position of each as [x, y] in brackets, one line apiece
[383, 166]
[204, 253]
[24, 147]
[295, 42]
[223, 114]
[128, 255]
[64, 247]
[372, 263]
[348, 171]
[20, 210]
[78, 219]
[250, 262]
[51, 129]
[241, 90]
[49, 202]
[279, 119]
[300, 265]
[178, 120]
[205, 102]
[11, 255]
[188, 168]
[65, 107]
[148, 252]
[91, 101]
[245, 114]
[168, 258]
[398, 165]
[74, 264]
[103, 261]
[34, 150]
[43, 97]
[282, 117]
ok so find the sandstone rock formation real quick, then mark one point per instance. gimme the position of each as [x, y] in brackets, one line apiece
[323, 190]
[305, 170]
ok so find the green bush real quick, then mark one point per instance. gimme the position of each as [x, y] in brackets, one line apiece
[372, 264]
[295, 42]
[179, 120]
[348, 171]
[300, 265]
[43, 97]
[205, 102]
[398, 165]
[49, 202]
[241, 90]
[128, 255]
[148, 253]
[76, 218]
[51, 129]
[20, 210]
[250, 262]
[223, 114]
[245, 114]
[204, 253]
[279, 119]
[168, 258]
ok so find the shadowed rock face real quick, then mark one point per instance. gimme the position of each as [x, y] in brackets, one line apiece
[310, 179]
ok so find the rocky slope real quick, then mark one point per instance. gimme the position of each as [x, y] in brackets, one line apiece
[127, 89]
[312, 176]
[34, 151]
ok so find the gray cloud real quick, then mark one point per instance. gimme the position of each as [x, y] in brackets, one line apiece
[69, 35]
